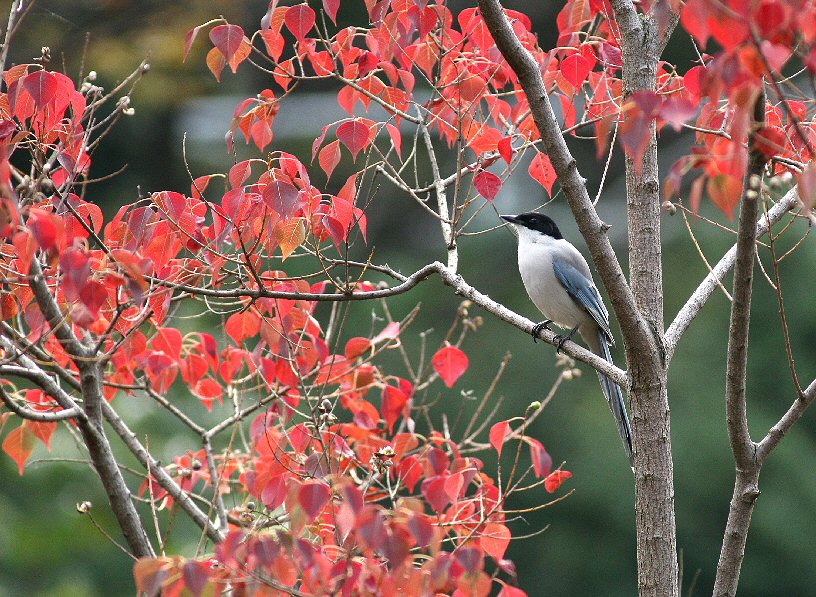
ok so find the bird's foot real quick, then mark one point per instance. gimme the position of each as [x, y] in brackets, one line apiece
[544, 325]
[560, 339]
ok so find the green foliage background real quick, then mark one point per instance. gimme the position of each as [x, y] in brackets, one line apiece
[588, 548]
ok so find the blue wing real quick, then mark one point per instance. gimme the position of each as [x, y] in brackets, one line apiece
[585, 294]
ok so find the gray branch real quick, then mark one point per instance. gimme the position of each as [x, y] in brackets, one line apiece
[746, 485]
[700, 296]
[153, 467]
[37, 415]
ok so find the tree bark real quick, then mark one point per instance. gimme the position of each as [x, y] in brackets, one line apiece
[748, 465]
[651, 422]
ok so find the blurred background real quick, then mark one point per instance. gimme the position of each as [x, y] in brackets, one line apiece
[588, 547]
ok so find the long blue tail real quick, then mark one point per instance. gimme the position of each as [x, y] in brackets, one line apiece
[614, 397]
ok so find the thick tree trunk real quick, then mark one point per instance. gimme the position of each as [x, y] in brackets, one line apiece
[642, 44]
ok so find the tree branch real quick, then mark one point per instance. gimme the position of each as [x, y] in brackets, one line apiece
[184, 501]
[37, 415]
[746, 488]
[788, 420]
[99, 448]
[710, 283]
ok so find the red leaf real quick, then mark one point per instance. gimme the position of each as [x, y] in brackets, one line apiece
[575, 69]
[694, 17]
[389, 332]
[329, 158]
[393, 401]
[542, 171]
[725, 191]
[450, 363]
[312, 497]
[488, 184]
[396, 137]
[47, 228]
[19, 444]
[421, 528]
[76, 268]
[555, 479]
[274, 493]
[43, 430]
[350, 507]
[508, 591]
[228, 39]
[196, 576]
[770, 141]
[215, 62]
[299, 20]
[357, 346]
[331, 6]
[676, 111]
[498, 435]
[542, 462]
[283, 197]
[168, 340]
[355, 135]
[243, 325]
[568, 108]
[239, 173]
[42, 86]
[505, 147]
[434, 492]
[189, 39]
[494, 540]
[807, 185]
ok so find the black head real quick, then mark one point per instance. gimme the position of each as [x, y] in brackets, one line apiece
[537, 222]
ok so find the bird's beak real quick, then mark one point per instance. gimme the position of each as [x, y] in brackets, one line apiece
[512, 220]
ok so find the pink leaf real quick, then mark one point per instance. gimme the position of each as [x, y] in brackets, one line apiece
[542, 462]
[331, 6]
[494, 540]
[575, 69]
[299, 20]
[541, 170]
[396, 137]
[312, 497]
[188, 41]
[555, 479]
[329, 157]
[498, 435]
[488, 184]
[355, 135]
[228, 39]
[42, 86]
[450, 363]
[283, 197]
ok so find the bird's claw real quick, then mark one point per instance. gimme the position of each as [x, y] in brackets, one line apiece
[544, 325]
[560, 339]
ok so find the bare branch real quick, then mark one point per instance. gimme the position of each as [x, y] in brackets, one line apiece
[38, 415]
[746, 489]
[788, 420]
[712, 281]
[181, 497]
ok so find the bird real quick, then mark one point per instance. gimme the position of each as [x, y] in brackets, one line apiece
[559, 282]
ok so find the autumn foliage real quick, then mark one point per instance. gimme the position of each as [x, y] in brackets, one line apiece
[345, 484]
